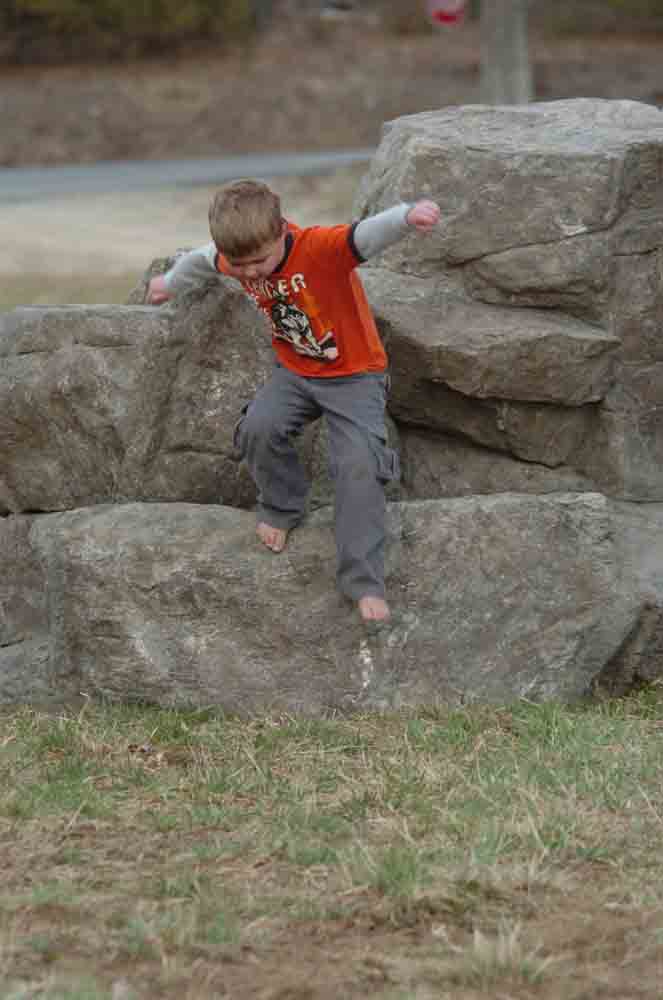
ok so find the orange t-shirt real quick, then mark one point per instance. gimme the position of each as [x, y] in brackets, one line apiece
[322, 324]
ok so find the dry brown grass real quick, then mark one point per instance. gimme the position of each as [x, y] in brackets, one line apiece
[477, 854]
[93, 249]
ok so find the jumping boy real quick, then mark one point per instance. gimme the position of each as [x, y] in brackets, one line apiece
[329, 362]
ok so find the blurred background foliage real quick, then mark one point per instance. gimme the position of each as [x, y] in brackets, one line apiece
[62, 30]
[52, 31]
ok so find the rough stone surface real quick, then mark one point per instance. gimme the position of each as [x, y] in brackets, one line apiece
[623, 453]
[513, 177]
[524, 337]
[639, 538]
[483, 380]
[543, 283]
[113, 403]
[532, 355]
[25, 649]
[437, 465]
[494, 598]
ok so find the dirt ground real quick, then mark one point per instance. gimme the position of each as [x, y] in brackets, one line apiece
[474, 854]
[309, 85]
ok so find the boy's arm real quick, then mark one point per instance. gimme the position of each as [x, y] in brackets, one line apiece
[376, 233]
[190, 269]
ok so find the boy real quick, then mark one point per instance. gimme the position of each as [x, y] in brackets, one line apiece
[329, 361]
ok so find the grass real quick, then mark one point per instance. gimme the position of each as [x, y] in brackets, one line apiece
[45, 289]
[511, 852]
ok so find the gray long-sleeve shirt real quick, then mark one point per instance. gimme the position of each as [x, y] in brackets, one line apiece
[371, 236]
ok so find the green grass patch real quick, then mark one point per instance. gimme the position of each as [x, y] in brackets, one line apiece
[149, 846]
[54, 290]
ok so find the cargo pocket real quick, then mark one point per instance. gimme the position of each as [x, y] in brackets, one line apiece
[388, 462]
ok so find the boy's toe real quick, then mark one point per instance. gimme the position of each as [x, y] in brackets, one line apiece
[273, 538]
[374, 609]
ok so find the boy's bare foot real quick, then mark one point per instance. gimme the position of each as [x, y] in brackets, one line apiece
[273, 538]
[374, 609]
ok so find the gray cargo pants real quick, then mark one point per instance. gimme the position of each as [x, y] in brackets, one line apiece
[360, 463]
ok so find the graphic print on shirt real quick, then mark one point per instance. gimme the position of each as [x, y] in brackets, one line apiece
[294, 325]
[295, 316]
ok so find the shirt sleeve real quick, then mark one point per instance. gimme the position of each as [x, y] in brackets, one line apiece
[333, 247]
[192, 268]
[377, 232]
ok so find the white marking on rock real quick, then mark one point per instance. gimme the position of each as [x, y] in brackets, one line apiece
[571, 228]
[367, 665]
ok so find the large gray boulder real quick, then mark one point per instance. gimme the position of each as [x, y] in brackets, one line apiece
[486, 352]
[494, 598]
[514, 380]
[543, 284]
[522, 176]
[526, 354]
[114, 403]
[117, 403]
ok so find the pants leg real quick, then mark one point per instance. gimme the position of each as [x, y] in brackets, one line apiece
[360, 465]
[279, 411]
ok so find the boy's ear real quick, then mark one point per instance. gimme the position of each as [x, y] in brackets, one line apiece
[284, 227]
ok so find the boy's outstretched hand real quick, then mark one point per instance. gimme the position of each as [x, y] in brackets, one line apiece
[157, 293]
[423, 215]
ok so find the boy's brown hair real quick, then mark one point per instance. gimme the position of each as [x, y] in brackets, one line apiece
[244, 216]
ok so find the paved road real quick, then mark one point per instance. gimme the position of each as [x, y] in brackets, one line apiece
[24, 184]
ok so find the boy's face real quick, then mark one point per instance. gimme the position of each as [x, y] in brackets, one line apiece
[260, 264]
